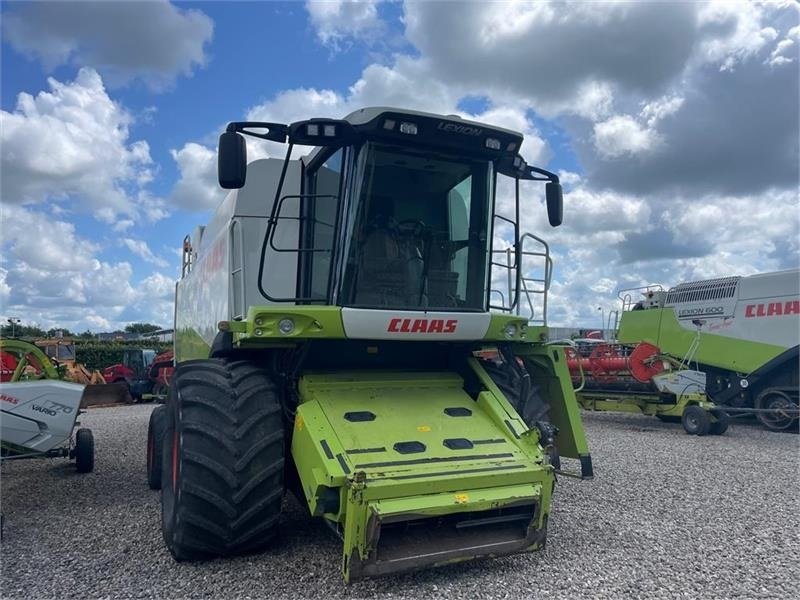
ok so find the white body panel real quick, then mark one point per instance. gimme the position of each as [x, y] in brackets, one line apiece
[39, 415]
[681, 382]
[762, 308]
[413, 325]
[223, 280]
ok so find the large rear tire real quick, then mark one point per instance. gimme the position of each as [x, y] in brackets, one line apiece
[529, 405]
[524, 397]
[155, 445]
[223, 460]
[777, 410]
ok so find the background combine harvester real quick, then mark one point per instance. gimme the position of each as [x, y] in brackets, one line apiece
[334, 337]
[742, 332]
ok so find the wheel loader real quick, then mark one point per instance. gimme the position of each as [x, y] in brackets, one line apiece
[334, 337]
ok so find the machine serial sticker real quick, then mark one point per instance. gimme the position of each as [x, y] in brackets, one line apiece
[424, 428]
[461, 498]
[298, 422]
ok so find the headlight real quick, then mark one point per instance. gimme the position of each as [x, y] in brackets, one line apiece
[286, 326]
[510, 330]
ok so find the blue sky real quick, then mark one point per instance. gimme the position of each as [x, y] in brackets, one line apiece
[674, 127]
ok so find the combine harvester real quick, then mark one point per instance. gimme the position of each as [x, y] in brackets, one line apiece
[333, 336]
[741, 332]
[38, 411]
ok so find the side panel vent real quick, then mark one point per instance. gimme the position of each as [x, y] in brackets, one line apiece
[700, 291]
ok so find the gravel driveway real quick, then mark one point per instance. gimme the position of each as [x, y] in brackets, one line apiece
[667, 516]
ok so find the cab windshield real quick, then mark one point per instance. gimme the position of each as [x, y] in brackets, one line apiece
[418, 232]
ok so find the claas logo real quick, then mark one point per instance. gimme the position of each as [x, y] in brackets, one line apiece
[422, 326]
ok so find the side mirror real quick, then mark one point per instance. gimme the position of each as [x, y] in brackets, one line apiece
[232, 161]
[555, 203]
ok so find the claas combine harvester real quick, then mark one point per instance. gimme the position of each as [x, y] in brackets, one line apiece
[335, 338]
[742, 333]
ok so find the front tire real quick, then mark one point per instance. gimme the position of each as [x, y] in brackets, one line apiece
[722, 422]
[696, 420]
[84, 450]
[223, 460]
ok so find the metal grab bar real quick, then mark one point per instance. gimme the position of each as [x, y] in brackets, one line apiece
[529, 286]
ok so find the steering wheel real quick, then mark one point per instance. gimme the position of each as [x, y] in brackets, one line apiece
[415, 227]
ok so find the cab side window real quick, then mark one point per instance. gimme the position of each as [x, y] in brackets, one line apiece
[323, 203]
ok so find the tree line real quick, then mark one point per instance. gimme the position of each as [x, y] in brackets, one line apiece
[21, 330]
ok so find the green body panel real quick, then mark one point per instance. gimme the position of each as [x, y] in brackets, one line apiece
[548, 368]
[525, 332]
[377, 483]
[325, 322]
[646, 404]
[189, 345]
[310, 322]
[660, 326]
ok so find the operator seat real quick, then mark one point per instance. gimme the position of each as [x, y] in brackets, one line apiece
[390, 268]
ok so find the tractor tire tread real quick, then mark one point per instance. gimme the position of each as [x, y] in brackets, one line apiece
[155, 445]
[84, 450]
[230, 463]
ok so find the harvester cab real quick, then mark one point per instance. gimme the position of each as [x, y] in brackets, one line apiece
[340, 308]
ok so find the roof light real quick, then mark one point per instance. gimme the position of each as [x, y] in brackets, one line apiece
[492, 144]
[388, 124]
[511, 147]
[329, 130]
[312, 129]
[517, 162]
[409, 128]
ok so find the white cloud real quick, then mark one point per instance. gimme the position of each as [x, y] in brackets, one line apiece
[122, 225]
[142, 250]
[45, 243]
[55, 277]
[73, 141]
[336, 21]
[622, 135]
[5, 289]
[153, 41]
[197, 189]
[733, 32]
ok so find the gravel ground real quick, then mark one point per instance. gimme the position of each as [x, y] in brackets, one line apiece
[667, 516]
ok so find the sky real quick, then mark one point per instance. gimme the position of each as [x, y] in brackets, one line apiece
[673, 126]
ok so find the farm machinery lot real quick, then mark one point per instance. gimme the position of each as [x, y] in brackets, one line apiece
[666, 516]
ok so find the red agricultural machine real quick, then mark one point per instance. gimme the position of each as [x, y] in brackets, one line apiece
[614, 377]
[145, 373]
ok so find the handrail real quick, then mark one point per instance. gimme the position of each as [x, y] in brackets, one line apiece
[627, 299]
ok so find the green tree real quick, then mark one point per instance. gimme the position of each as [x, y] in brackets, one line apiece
[142, 328]
[51, 333]
[20, 330]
